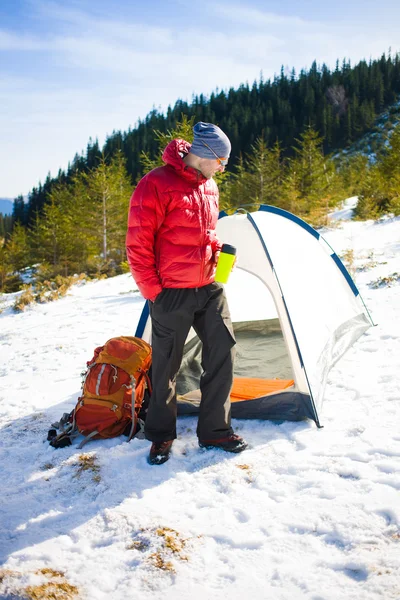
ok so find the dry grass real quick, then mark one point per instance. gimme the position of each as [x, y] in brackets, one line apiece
[6, 573]
[47, 290]
[88, 462]
[172, 540]
[348, 259]
[141, 545]
[55, 587]
[161, 544]
[47, 466]
[385, 281]
[247, 469]
[25, 299]
[158, 561]
[243, 467]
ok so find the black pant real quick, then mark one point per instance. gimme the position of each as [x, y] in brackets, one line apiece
[173, 313]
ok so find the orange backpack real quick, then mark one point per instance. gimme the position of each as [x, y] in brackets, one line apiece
[114, 387]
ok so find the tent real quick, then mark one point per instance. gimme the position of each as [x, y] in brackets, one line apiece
[295, 312]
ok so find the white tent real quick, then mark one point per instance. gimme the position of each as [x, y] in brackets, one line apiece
[295, 311]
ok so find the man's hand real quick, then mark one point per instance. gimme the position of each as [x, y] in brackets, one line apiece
[216, 257]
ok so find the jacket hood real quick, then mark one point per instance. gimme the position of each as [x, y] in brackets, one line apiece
[173, 155]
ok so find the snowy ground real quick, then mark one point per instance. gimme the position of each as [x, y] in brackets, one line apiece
[303, 514]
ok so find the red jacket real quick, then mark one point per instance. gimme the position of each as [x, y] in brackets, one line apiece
[171, 240]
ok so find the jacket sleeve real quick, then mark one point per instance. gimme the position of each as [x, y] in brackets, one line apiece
[216, 244]
[146, 213]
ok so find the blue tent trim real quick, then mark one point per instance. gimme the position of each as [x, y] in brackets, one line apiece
[287, 215]
[250, 218]
[291, 217]
[345, 273]
[143, 320]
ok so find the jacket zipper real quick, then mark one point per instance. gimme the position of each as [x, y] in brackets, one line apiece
[202, 229]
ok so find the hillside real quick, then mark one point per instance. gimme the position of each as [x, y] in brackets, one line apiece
[303, 514]
[340, 104]
[377, 137]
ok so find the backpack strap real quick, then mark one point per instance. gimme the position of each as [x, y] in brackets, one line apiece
[87, 438]
[134, 418]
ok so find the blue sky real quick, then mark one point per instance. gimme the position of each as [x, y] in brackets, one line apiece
[80, 69]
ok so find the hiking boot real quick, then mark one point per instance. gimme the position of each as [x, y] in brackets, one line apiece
[160, 452]
[232, 443]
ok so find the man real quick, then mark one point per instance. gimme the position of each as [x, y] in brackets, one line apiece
[172, 250]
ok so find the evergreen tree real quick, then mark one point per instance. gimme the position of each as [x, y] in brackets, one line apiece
[372, 196]
[19, 211]
[389, 168]
[310, 179]
[310, 166]
[54, 237]
[108, 189]
[182, 130]
[262, 175]
[17, 247]
[340, 105]
[6, 225]
[234, 191]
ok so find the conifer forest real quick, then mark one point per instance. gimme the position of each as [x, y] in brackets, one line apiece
[301, 141]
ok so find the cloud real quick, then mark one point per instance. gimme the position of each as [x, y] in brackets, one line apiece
[246, 15]
[12, 41]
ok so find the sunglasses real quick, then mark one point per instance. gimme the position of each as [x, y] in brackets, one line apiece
[222, 161]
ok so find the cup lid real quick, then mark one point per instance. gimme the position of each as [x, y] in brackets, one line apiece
[228, 249]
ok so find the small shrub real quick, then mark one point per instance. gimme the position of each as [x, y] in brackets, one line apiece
[124, 266]
[47, 290]
[12, 283]
[25, 299]
[394, 205]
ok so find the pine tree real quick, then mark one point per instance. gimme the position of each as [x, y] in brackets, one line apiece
[14, 256]
[264, 170]
[309, 174]
[18, 249]
[54, 237]
[19, 211]
[372, 197]
[182, 130]
[235, 191]
[108, 189]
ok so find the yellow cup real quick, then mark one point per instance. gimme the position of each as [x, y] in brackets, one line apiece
[225, 263]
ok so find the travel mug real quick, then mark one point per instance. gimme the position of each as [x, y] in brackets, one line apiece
[225, 263]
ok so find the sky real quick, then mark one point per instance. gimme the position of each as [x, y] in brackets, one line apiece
[83, 69]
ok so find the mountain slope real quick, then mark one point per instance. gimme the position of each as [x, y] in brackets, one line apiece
[303, 514]
[6, 206]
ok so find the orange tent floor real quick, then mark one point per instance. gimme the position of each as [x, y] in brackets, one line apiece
[247, 388]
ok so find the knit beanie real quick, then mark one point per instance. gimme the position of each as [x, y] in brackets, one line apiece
[209, 138]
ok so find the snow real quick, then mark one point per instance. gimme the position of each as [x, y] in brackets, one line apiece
[304, 513]
[345, 212]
